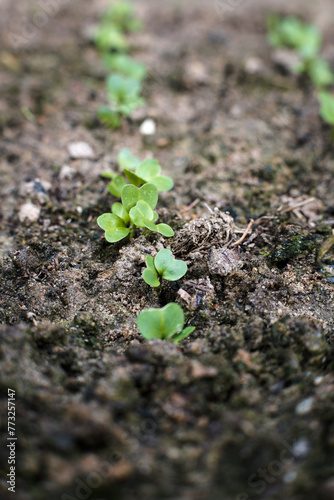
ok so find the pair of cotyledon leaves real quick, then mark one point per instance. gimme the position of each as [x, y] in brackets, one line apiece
[164, 323]
[117, 20]
[147, 171]
[109, 38]
[125, 65]
[124, 93]
[124, 97]
[121, 14]
[164, 265]
[137, 207]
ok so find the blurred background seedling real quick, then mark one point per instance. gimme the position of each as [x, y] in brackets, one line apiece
[125, 82]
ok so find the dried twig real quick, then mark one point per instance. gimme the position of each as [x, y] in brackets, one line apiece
[240, 240]
[189, 207]
[208, 208]
[297, 205]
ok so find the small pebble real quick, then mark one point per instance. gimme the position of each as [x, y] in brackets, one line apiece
[305, 406]
[29, 211]
[148, 127]
[200, 371]
[301, 448]
[196, 72]
[79, 150]
[66, 172]
[254, 65]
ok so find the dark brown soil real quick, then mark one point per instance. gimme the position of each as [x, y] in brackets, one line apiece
[243, 409]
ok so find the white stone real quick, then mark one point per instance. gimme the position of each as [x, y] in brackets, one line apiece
[78, 150]
[304, 406]
[29, 211]
[301, 448]
[254, 65]
[66, 172]
[148, 127]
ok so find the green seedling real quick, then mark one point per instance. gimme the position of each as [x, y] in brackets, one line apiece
[124, 94]
[149, 171]
[125, 65]
[121, 14]
[295, 34]
[140, 203]
[135, 211]
[124, 97]
[126, 160]
[109, 117]
[164, 323]
[124, 85]
[306, 40]
[320, 72]
[117, 183]
[131, 195]
[108, 38]
[163, 265]
[327, 108]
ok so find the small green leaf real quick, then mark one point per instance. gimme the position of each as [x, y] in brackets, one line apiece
[326, 107]
[122, 63]
[162, 260]
[165, 230]
[175, 271]
[155, 217]
[131, 195]
[121, 15]
[169, 268]
[119, 210]
[126, 160]
[151, 278]
[109, 117]
[162, 183]
[123, 93]
[187, 331]
[108, 37]
[150, 262]
[116, 186]
[108, 175]
[141, 214]
[161, 323]
[130, 104]
[150, 275]
[320, 73]
[294, 33]
[133, 178]
[149, 225]
[149, 170]
[114, 227]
